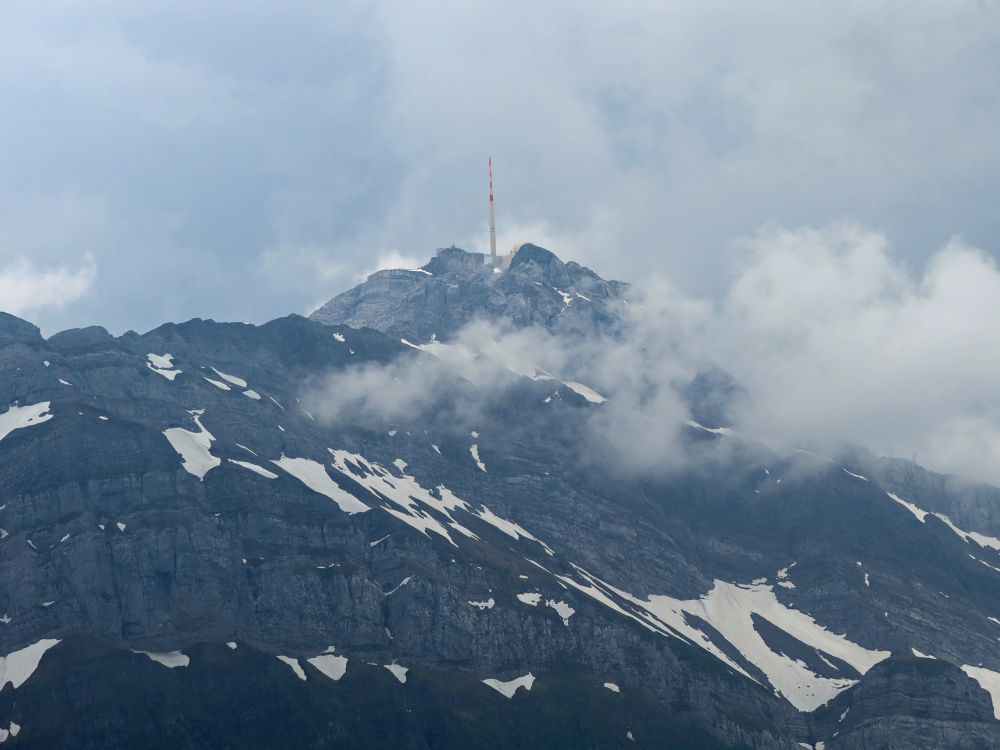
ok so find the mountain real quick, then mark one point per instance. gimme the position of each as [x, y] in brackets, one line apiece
[198, 551]
[456, 287]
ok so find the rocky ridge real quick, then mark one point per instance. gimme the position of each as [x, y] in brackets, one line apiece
[178, 525]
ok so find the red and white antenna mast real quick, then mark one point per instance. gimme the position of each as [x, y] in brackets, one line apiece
[493, 221]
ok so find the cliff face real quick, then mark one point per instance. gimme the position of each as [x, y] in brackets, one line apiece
[190, 557]
[909, 701]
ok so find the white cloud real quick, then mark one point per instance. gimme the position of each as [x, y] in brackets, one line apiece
[24, 288]
[689, 124]
[638, 137]
[838, 342]
[635, 137]
[835, 338]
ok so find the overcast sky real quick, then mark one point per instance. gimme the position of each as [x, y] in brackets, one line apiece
[244, 160]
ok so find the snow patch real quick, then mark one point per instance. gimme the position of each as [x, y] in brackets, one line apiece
[254, 468]
[17, 666]
[729, 609]
[921, 515]
[252, 394]
[294, 664]
[510, 528]
[218, 384]
[161, 364]
[169, 659]
[530, 599]
[507, 689]
[588, 393]
[12, 730]
[989, 681]
[231, 378]
[313, 475]
[474, 450]
[970, 536]
[399, 672]
[715, 431]
[400, 585]
[488, 604]
[567, 298]
[403, 497]
[562, 609]
[612, 687]
[193, 447]
[332, 666]
[983, 540]
[19, 417]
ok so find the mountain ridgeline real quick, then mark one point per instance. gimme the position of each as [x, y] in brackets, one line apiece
[192, 556]
[456, 287]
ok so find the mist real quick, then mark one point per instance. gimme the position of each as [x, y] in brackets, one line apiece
[835, 338]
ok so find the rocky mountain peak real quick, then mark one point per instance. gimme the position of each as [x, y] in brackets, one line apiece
[457, 287]
[77, 339]
[14, 330]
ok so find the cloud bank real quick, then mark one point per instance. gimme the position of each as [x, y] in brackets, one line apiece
[836, 339]
[255, 158]
[839, 341]
[26, 289]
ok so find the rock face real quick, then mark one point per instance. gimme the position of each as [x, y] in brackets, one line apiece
[457, 287]
[223, 568]
[911, 702]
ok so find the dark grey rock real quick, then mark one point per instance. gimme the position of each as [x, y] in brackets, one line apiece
[278, 568]
[457, 287]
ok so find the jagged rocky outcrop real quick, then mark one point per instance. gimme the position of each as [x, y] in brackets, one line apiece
[910, 701]
[174, 493]
[456, 287]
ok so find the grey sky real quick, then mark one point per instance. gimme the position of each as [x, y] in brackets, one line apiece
[160, 161]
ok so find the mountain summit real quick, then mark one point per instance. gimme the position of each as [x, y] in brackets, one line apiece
[456, 287]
